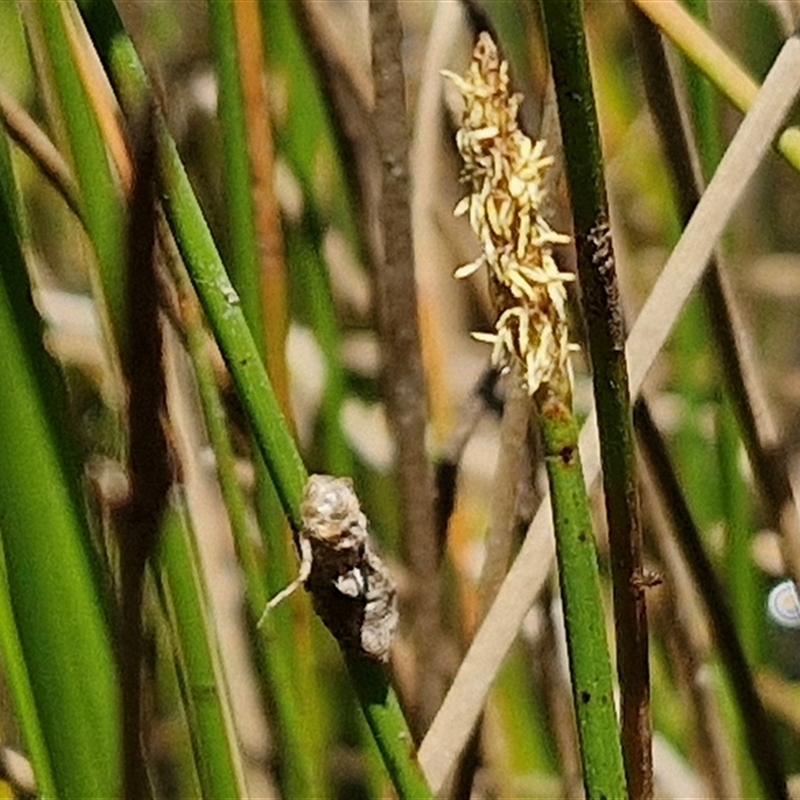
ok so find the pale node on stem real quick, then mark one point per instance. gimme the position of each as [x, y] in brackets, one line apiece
[504, 171]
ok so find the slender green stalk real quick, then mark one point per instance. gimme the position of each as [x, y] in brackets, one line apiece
[301, 767]
[248, 282]
[239, 206]
[703, 105]
[606, 340]
[171, 692]
[228, 323]
[23, 697]
[691, 336]
[99, 196]
[220, 300]
[740, 570]
[310, 132]
[505, 172]
[385, 719]
[304, 757]
[590, 667]
[219, 438]
[214, 742]
[245, 267]
[221, 305]
[731, 496]
[52, 583]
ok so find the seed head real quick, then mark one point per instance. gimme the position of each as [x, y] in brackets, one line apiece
[504, 173]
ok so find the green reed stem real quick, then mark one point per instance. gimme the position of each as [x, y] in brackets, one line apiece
[606, 343]
[303, 757]
[302, 773]
[100, 198]
[223, 311]
[590, 665]
[52, 583]
[216, 754]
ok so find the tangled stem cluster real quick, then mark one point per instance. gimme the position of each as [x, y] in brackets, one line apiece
[504, 171]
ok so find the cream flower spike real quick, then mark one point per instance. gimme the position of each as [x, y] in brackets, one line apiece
[503, 170]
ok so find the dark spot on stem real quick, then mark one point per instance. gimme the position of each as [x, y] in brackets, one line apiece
[602, 256]
[566, 454]
[586, 697]
[582, 537]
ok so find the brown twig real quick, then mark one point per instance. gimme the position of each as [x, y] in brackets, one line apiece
[403, 375]
[35, 142]
[149, 464]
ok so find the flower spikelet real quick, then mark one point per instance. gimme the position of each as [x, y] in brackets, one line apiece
[504, 171]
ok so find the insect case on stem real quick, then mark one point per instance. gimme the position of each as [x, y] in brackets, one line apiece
[351, 589]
